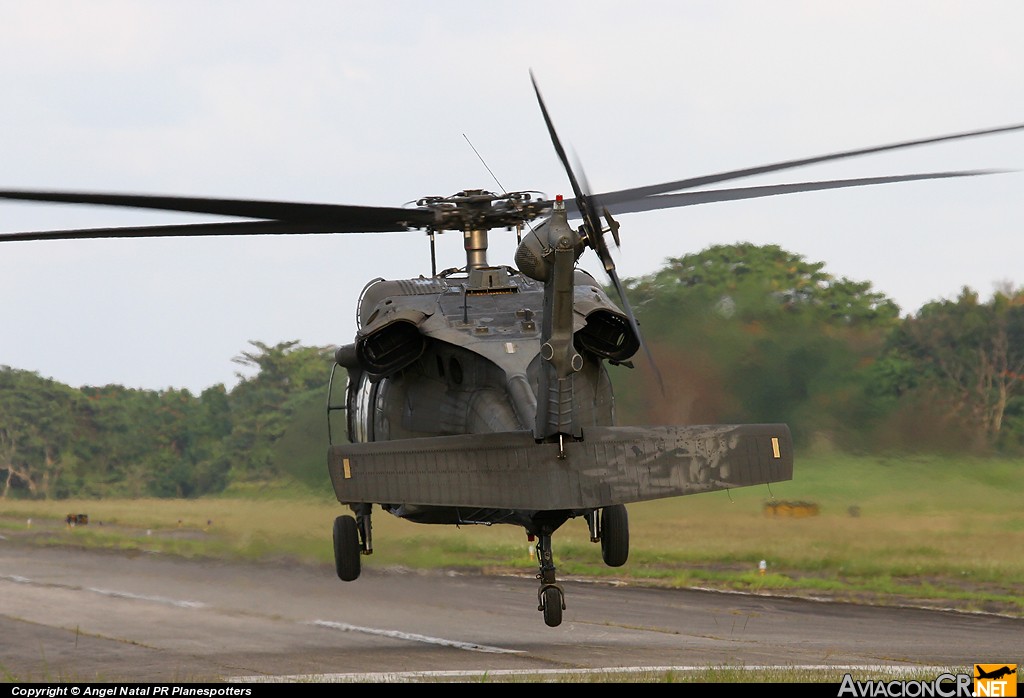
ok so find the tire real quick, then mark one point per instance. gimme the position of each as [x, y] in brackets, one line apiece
[552, 607]
[615, 535]
[346, 548]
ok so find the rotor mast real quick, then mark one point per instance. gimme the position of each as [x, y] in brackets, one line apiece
[475, 242]
[474, 237]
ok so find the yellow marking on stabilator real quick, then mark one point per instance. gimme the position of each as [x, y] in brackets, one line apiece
[348, 471]
[775, 451]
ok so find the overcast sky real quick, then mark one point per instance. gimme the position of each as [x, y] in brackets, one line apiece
[376, 103]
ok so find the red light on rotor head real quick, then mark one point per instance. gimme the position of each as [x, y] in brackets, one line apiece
[558, 197]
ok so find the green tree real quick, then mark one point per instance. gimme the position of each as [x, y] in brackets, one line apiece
[132, 441]
[211, 425]
[37, 429]
[960, 365]
[114, 441]
[150, 443]
[758, 334]
[757, 282]
[261, 405]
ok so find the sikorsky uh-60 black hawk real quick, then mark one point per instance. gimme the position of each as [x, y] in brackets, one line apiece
[481, 395]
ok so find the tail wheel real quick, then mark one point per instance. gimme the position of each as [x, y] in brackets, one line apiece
[552, 600]
[615, 535]
[346, 548]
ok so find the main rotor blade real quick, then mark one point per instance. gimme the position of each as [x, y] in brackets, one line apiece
[639, 192]
[692, 198]
[352, 218]
[192, 230]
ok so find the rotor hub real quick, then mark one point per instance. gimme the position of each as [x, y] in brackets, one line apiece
[476, 209]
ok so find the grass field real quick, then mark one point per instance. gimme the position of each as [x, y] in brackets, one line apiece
[928, 530]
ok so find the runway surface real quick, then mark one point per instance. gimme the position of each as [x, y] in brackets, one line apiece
[76, 615]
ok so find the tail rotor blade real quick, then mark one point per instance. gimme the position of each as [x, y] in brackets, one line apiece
[636, 328]
[591, 223]
[592, 226]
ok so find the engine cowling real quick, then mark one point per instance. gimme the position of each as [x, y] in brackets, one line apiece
[607, 334]
[391, 344]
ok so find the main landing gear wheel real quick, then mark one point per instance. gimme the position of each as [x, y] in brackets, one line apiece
[614, 535]
[346, 548]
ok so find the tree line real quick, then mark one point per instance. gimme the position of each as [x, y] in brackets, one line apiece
[759, 334]
[742, 333]
[112, 441]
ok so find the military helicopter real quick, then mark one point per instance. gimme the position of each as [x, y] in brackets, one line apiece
[481, 394]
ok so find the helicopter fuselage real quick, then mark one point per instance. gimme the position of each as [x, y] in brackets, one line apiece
[461, 355]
